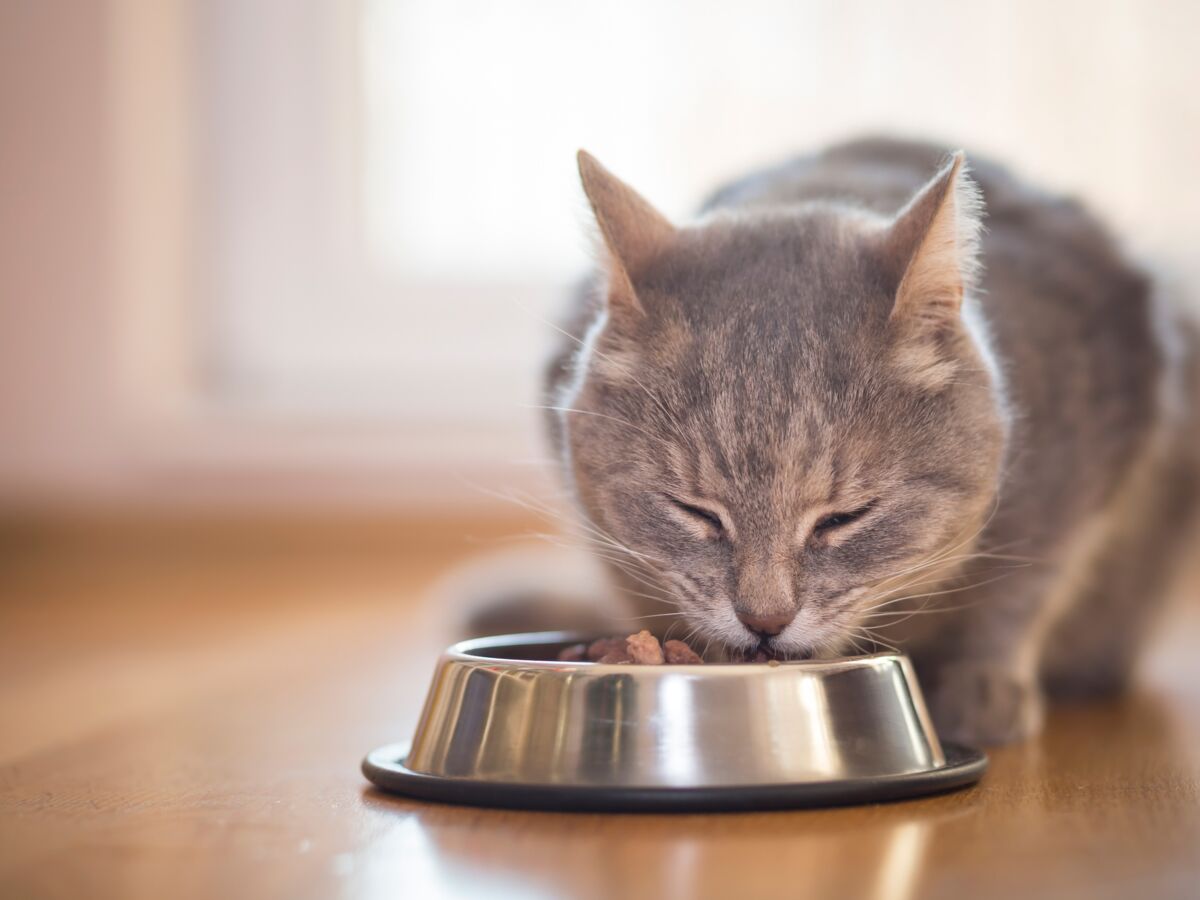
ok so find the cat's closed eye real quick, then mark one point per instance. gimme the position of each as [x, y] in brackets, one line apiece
[707, 517]
[834, 521]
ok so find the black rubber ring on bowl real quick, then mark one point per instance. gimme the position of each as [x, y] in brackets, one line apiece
[385, 769]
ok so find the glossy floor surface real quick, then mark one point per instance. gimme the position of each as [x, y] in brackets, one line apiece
[183, 714]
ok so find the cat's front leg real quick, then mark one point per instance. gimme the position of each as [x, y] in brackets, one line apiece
[975, 701]
[979, 669]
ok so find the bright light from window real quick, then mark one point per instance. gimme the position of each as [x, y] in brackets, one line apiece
[474, 110]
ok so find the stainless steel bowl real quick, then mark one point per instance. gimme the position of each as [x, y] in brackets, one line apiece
[505, 724]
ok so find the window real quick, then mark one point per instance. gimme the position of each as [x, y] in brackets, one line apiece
[388, 202]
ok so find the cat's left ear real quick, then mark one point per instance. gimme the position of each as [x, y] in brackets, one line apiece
[934, 246]
[635, 233]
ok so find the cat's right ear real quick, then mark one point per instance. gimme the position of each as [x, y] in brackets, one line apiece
[934, 246]
[634, 232]
[933, 250]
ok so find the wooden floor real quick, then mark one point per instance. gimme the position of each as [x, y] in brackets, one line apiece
[183, 714]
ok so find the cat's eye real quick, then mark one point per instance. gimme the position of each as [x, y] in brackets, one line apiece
[837, 520]
[707, 516]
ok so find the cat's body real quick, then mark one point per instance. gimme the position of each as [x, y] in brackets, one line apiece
[807, 422]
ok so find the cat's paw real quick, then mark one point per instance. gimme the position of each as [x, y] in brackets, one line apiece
[1093, 682]
[984, 703]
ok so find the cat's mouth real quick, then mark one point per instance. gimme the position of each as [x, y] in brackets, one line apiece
[765, 652]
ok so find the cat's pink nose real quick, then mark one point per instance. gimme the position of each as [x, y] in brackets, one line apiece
[766, 625]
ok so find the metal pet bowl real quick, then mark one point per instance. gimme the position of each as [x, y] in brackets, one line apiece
[506, 725]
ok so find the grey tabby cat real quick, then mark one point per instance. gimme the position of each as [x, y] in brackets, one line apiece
[834, 414]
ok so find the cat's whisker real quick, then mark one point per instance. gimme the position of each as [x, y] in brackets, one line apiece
[903, 584]
[867, 633]
[598, 415]
[896, 617]
[599, 538]
[906, 614]
[954, 590]
[853, 642]
[960, 559]
[603, 536]
[560, 540]
[596, 533]
[626, 551]
[909, 584]
[690, 635]
[642, 578]
[526, 502]
[666, 595]
[925, 596]
[946, 557]
[599, 543]
[663, 599]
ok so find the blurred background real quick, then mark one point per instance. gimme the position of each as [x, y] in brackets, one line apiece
[288, 254]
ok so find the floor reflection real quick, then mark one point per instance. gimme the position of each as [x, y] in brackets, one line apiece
[872, 852]
[902, 860]
[409, 859]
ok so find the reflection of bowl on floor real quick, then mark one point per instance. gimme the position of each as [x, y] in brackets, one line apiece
[504, 724]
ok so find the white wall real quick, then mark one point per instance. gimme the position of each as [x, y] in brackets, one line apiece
[56, 350]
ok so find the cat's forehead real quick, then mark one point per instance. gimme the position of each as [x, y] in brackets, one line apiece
[739, 310]
[816, 241]
[774, 280]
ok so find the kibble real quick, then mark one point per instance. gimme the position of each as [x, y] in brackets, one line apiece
[597, 650]
[677, 653]
[574, 653]
[642, 648]
[645, 649]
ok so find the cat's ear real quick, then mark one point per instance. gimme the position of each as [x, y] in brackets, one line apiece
[634, 232]
[934, 246]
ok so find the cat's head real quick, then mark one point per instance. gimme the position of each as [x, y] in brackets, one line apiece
[778, 411]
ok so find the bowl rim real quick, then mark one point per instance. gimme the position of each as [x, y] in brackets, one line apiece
[387, 768]
[467, 651]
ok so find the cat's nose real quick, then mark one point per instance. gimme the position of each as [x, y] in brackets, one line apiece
[768, 626]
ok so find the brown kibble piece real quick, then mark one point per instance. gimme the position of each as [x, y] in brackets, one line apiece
[574, 653]
[643, 648]
[616, 657]
[597, 650]
[677, 653]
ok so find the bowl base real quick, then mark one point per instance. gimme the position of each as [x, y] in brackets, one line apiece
[386, 770]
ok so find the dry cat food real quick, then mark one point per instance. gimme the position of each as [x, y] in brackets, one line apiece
[642, 648]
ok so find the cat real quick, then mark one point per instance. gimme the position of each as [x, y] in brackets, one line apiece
[835, 415]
